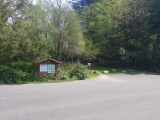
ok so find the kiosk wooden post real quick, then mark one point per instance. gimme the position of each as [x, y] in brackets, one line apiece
[89, 67]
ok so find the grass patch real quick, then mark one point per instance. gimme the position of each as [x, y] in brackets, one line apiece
[121, 71]
[143, 72]
[92, 75]
[49, 81]
[98, 68]
[101, 69]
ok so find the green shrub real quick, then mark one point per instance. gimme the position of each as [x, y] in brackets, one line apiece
[47, 77]
[63, 72]
[64, 77]
[80, 72]
[10, 75]
[31, 77]
[20, 72]
[23, 66]
[74, 78]
[72, 71]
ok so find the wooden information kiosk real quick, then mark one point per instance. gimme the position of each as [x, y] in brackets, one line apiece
[47, 66]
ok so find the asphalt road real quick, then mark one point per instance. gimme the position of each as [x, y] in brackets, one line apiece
[113, 97]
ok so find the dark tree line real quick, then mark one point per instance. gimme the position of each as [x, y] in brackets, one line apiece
[125, 31]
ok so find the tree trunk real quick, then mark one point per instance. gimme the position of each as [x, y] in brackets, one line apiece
[135, 63]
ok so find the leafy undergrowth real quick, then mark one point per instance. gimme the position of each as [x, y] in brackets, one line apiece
[92, 75]
[23, 72]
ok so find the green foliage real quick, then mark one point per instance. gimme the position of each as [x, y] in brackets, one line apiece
[17, 72]
[123, 53]
[92, 75]
[45, 78]
[10, 75]
[113, 25]
[71, 71]
[78, 5]
[80, 72]
[20, 34]
[23, 72]
[64, 71]
[90, 52]
[64, 78]
[23, 66]
[64, 30]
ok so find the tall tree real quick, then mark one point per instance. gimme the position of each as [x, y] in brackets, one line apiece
[155, 29]
[137, 35]
[66, 29]
[101, 27]
[79, 5]
[155, 16]
[19, 35]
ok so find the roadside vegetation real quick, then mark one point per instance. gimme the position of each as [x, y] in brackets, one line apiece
[111, 71]
[24, 72]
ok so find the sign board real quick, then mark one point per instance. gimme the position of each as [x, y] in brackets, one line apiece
[43, 67]
[48, 68]
[51, 68]
[89, 64]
